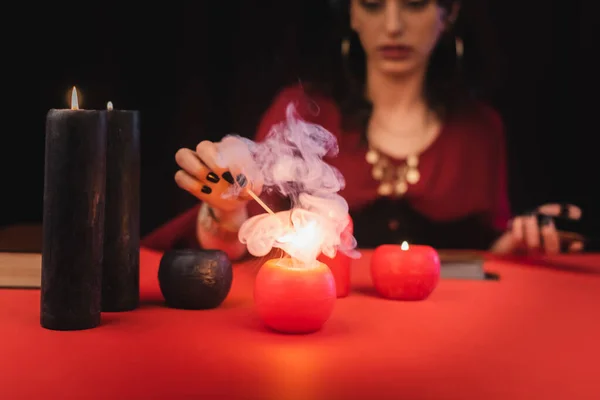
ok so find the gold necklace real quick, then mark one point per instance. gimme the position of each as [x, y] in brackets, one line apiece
[393, 180]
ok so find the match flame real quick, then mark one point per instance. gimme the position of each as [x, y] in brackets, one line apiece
[303, 237]
[404, 245]
[109, 105]
[74, 101]
[303, 243]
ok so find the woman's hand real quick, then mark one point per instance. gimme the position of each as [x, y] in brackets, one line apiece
[537, 233]
[201, 176]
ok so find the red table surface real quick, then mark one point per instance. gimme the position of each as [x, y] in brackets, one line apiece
[534, 334]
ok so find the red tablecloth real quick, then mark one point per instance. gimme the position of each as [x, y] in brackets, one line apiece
[534, 334]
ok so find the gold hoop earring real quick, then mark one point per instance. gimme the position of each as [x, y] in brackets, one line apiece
[345, 47]
[459, 46]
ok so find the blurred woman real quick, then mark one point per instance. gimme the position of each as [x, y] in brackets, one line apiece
[423, 156]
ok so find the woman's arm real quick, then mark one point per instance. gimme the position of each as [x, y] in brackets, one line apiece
[215, 229]
[499, 199]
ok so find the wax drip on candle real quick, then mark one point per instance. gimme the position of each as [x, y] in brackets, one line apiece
[290, 161]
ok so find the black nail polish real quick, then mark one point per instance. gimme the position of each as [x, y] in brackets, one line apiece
[564, 211]
[241, 180]
[228, 177]
[212, 177]
[206, 189]
[545, 220]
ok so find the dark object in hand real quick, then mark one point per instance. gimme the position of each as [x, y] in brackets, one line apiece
[570, 231]
[195, 279]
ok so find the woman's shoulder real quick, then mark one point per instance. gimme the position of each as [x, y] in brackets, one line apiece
[481, 120]
[489, 116]
[309, 104]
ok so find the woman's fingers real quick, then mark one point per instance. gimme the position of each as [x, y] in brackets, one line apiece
[207, 151]
[207, 191]
[570, 211]
[538, 231]
[549, 235]
[190, 163]
[567, 241]
[243, 167]
[194, 186]
[202, 176]
[531, 231]
[517, 229]
[195, 176]
[576, 247]
[200, 166]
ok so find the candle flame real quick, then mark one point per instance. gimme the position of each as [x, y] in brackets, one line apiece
[404, 245]
[109, 105]
[74, 100]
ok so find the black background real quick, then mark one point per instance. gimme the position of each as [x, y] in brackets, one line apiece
[204, 69]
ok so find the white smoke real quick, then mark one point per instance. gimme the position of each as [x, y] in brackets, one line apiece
[290, 161]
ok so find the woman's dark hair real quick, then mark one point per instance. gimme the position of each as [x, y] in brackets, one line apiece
[451, 84]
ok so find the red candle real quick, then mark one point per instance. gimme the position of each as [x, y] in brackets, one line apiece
[340, 269]
[340, 264]
[405, 272]
[293, 298]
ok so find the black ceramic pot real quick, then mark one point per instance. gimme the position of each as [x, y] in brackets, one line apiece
[195, 279]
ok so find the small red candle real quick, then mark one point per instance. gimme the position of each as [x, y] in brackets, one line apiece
[340, 264]
[405, 272]
[340, 269]
[291, 297]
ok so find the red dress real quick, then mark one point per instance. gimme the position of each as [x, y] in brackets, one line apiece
[460, 200]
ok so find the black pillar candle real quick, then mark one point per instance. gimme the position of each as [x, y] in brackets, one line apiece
[73, 219]
[120, 271]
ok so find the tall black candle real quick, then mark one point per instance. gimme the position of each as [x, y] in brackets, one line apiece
[73, 218]
[120, 271]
